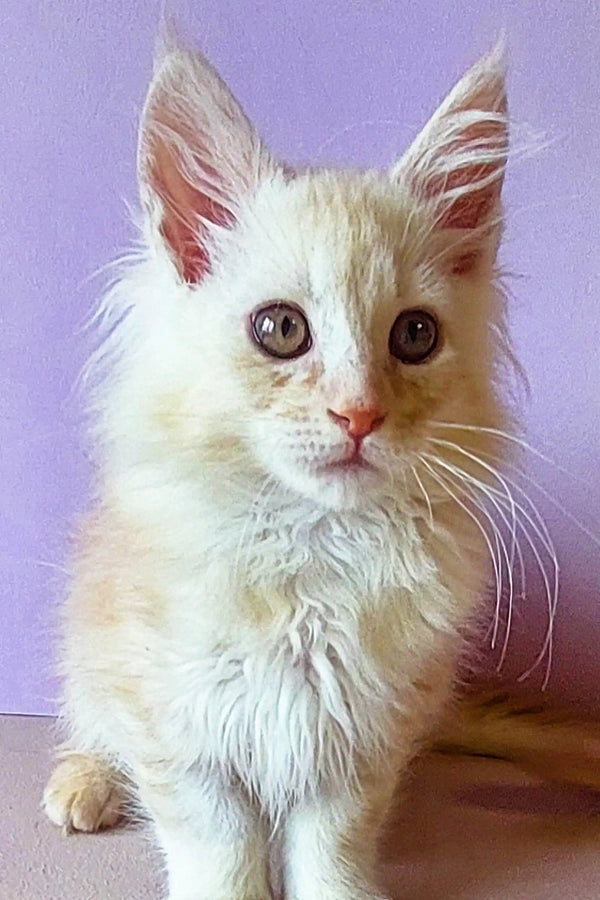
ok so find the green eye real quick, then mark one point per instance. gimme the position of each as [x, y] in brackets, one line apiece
[281, 330]
[414, 336]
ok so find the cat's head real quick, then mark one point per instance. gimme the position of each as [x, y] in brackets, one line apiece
[312, 324]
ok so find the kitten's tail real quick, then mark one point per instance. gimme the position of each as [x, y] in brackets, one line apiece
[544, 741]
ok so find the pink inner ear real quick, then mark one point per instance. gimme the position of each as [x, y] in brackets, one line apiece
[471, 207]
[185, 209]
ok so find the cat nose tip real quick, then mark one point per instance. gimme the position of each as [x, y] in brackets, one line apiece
[358, 421]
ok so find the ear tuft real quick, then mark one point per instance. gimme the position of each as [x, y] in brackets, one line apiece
[199, 157]
[456, 165]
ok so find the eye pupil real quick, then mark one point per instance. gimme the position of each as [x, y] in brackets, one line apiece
[414, 336]
[281, 330]
[413, 330]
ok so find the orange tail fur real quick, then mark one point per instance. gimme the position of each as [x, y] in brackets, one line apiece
[543, 740]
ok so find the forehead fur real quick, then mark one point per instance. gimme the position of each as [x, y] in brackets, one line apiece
[340, 244]
[335, 220]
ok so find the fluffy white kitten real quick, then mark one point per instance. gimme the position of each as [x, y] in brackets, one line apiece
[265, 616]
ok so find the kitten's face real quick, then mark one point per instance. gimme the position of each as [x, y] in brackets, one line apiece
[340, 272]
[321, 321]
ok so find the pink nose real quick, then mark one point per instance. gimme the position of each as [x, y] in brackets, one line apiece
[358, 422]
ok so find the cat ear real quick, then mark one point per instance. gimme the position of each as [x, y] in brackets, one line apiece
[456, 164]
[199, 157]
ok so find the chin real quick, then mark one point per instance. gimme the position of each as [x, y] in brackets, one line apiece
[336, 488]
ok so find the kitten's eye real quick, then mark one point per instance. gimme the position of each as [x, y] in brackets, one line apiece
[281, 330]
[414, 336]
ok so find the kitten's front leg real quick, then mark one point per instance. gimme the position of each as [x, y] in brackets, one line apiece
[215, 843]
[331, 843]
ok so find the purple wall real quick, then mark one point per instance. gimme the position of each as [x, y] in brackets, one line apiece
[324, 79]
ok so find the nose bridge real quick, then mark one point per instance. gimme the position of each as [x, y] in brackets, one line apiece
[355, 403]
[354, 386]
[353, 379]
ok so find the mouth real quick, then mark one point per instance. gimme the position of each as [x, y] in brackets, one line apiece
[352, 462]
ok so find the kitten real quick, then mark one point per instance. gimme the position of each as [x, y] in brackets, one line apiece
[266, 610]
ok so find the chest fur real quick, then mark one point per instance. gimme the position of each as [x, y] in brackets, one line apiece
[285, 711]
[285, 708]
[302, 669]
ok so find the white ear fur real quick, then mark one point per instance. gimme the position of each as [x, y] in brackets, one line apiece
[456, 164]
[199, 157]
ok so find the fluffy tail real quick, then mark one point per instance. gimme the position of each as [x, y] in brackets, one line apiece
[544, 741]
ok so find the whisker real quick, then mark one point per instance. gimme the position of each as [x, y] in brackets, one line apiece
[547, 496]
[505, 481]
[539, 525]
[467, 488]
[425, 494]
[517, 487]
[32, 561]
[497, 432]
[515, 545]
[493, 472]
[544, 536]
[540, 531]
[497, 499]
[495, 563]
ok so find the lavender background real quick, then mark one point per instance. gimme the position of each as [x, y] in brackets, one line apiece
[336, 80]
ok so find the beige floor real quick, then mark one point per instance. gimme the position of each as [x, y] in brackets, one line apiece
[468, 830]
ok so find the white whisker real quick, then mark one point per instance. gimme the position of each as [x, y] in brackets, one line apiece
[494, 473]
[540, 527]
[495, 562]
[496, 432]
[32, 561]
[505, 499]
[425, 494]
[547, 496]
[467, 488]
[542, 532]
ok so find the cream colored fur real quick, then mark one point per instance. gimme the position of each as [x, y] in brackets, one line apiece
[258, 643]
